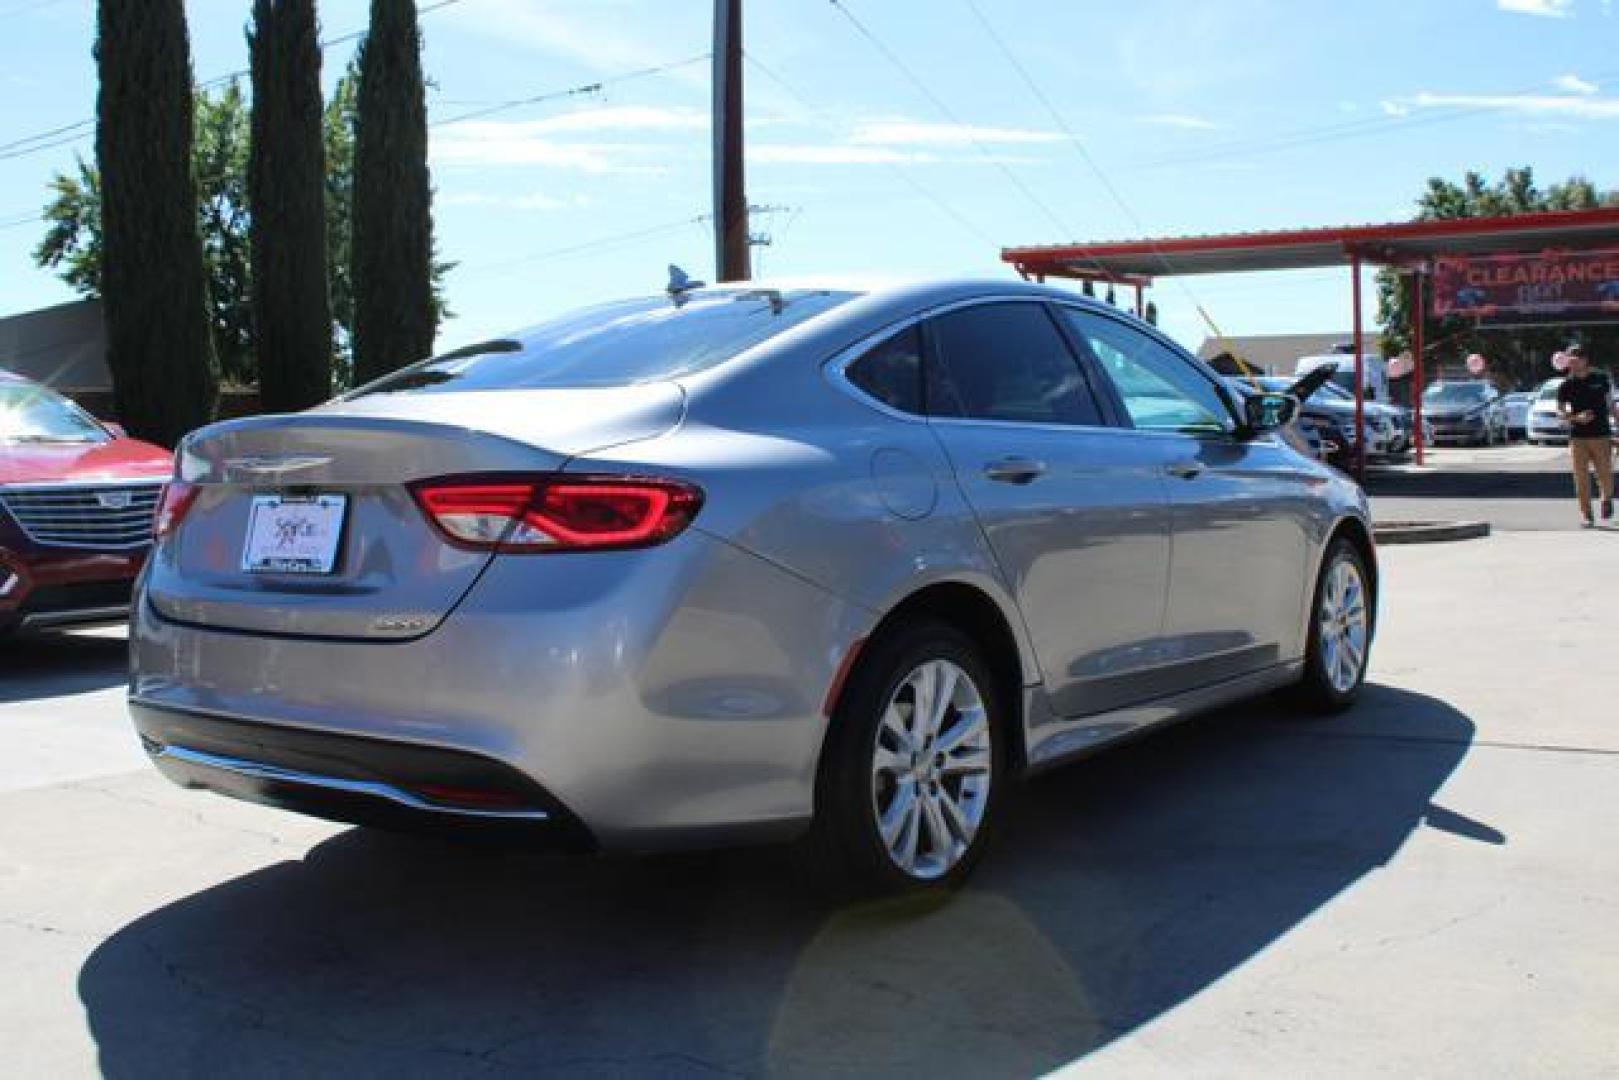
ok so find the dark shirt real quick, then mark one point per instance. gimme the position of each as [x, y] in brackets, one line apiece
[1589, 394]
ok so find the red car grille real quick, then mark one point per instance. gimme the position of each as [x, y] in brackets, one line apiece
[110, 517]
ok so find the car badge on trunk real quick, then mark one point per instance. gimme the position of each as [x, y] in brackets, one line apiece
[274, 466]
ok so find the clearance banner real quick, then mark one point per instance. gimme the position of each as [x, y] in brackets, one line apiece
[1552, 283]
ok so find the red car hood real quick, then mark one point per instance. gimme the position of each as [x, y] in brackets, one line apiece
[120, 459]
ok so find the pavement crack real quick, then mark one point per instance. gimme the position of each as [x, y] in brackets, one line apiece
[195, 815]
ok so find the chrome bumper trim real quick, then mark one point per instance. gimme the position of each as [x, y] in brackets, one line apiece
[42, 620]
[256, 770]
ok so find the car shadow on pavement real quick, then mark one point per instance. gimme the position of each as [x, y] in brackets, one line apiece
[1551, 481]
[1120, 887]
[38, 666]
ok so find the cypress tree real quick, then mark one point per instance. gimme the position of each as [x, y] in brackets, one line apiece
[292, 319]
[392, 246]
[153, 286]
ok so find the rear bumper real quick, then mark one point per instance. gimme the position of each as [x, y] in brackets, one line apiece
[664, 698]
[362, 781]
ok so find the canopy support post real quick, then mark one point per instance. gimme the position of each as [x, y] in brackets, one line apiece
[1418, 324]
[1360, 371]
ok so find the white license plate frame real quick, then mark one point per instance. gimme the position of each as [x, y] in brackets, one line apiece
[294, 534]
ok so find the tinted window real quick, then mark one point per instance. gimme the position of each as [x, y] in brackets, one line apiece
[892, 372]
[1161, 390]
[632, 341]
[1006, 362]
[33, 414]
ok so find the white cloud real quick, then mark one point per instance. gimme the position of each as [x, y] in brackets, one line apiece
[534, 200]
[1573, 84]
[1180, 120]
[611, 118]
[543, 142]
[1549, 9]
[492, 144]
[921, 133]
[590, 34]
[831, 154]
[1572, 106]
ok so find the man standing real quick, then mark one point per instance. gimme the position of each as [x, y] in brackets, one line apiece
[1586, 401]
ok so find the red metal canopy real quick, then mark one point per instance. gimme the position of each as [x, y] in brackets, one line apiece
[1410, 243]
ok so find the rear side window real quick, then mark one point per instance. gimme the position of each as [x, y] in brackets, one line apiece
[1006, 362]
[892, 372]
[619, 344]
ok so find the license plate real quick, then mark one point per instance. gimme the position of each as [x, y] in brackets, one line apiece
[293, 535]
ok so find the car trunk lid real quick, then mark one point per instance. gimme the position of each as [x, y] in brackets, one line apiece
[392, 575]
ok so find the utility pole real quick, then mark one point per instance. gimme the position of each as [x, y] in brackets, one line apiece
[730, 201]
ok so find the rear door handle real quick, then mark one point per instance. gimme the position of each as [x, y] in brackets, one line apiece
[1185, 470]
[1014, 470]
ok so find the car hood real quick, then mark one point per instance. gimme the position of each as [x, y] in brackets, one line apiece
[120, 459]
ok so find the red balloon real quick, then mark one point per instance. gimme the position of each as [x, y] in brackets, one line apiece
[1476, 364]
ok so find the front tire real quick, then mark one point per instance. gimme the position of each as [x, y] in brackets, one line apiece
[913, 769]
[1340, 631]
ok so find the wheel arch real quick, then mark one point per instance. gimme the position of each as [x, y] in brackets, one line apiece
[984, 620]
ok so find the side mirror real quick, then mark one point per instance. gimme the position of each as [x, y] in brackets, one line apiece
[1268, 412]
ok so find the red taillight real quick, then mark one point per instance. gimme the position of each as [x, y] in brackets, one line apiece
[558, 513]
[172, 507]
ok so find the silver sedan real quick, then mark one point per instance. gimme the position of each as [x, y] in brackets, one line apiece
[741, 563]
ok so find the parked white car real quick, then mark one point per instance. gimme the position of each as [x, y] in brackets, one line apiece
[1545, 424]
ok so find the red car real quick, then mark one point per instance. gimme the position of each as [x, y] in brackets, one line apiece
[76, 507]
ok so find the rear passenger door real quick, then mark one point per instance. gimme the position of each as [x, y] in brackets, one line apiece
[1242, 508]
[1074, 511]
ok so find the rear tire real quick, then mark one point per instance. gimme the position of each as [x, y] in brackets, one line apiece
[1341, 624]
[913, 770]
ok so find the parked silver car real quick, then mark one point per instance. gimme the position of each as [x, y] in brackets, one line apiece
[743, 563]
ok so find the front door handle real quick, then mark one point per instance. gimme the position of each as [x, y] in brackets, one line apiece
[1014, 470]
[1185, 470]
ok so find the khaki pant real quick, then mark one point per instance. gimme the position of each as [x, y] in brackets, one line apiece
[1591, 456]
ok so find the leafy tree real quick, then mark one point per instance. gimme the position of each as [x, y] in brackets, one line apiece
[395, 310]
[292, 320]
[1518, 357]
[72, 241]
[154, 287]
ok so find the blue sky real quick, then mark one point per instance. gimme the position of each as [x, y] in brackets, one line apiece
[1228, 115]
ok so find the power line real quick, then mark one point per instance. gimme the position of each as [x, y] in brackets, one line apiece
[948, 114]
[617, 240]
[826, 123]
[1085, 155]
[1350, 129]
[572, 91]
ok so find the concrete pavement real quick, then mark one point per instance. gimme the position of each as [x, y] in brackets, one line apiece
[1427, 886]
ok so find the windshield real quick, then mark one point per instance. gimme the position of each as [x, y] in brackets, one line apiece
[1456, 393]
[618, 344]
[30, 413]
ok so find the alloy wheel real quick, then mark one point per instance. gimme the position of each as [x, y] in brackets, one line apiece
[931, 769]
[1343, 624]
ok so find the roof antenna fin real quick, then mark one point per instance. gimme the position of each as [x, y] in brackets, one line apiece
[680, 283]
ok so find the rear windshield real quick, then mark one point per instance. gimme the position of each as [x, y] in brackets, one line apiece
[617, 344]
